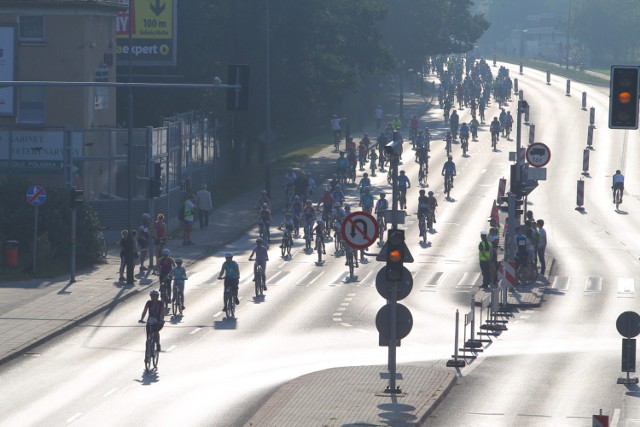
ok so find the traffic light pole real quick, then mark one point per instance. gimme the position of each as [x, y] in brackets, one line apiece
[392, 388]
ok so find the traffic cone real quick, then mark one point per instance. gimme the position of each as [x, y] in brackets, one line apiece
[494, 213]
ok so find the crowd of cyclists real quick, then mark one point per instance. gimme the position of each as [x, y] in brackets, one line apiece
[315, 215]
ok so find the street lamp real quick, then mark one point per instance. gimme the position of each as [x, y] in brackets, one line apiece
[268, 137]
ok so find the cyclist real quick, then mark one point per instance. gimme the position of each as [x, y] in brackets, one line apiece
[231, 279]
[396, 123]
[364, 183]
[309, 216]
[265, 221]
[338, 194]
[320, 233]
[261, 256]
[473, 127]
[494, 127]
[382, 204]
[464, 132]
[289, 181]
[165, 266]
[160, 235]
[403, 185]
[288, 224]
[373, 159]
[447, 138]
[413, 127]
[342, 165]
[362, 155]
[449, 170]
[508, 123]
[327, 202]
[296, 214]
[335, 128]
[454, 120]
[423, 204]
[264, 199]
[366, 200]
[155, 322]
[502, 118]
[179, 275]
[433, 204]
[618, 183]
[522, 251]
[481, 105]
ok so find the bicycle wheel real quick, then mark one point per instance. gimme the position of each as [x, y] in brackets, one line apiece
[148, 354]
[175, 305]
[351, 268]
[156, 355]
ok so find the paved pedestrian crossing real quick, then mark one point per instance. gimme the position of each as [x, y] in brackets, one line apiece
[623, 287]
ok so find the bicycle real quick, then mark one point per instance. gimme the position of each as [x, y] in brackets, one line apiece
[351, 261]
[422, 226]
[288, 195]
[285, 247]
[523, 274]
[264, 231]
[464, 143]
[337, 239]
[422, 174]
[448, 184]
[617, 196]
[102, 242]
[402, 197]
[382, 225]
[229, 303]
[320, 249]
[308, 236]
[259, 279]
[165, 291]
[151, 350]
[177, 304]
[352, 173]
[494, 140]
[390, 177]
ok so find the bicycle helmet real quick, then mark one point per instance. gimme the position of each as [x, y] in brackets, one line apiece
[166, 252]
[178, 261]
[154, 292]
[228, 255]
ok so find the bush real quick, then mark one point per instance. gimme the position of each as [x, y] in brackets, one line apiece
[54, 226]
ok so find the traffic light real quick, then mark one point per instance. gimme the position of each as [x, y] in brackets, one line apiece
[395, 255]
[77, 197]
[238, 99]
[519, 206]
[623, 98]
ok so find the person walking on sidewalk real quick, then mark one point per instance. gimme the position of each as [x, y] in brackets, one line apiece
[203, 198]
[379, 114]
[144, 237]
[124, 236]
[484, 256]
[188, 206]
[542, 245]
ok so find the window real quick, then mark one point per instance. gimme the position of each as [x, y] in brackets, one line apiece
[31, 28]
[30, 105]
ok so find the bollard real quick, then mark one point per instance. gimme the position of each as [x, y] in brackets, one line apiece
[585, 162]
[473, 343]
[568, 87]
[515, 86]
[584, 101]
[526, 114]
[548, 77]
[590, 137]
[520, 95]
[521, 68]
[455, 362]
[494, 60]
[592, 116]
[532, 132]
[580, 195]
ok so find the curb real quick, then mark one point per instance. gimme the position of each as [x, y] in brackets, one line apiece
[434, 405]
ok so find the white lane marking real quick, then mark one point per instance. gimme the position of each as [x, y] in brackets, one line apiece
[367, 276]
[561, 283]
[110, 392]
[337, 314]
[467, 281]
[626, 285]
[194, 331]
[615, 418]
[344, 304]
[75, 417]
[593, 284]
[274, 276]
[170, 348]
[348, 299]
[304, 277]
[217, 314]
[317, 277]
[346, 325]
[351, 295]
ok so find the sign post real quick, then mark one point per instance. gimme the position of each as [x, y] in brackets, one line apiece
[36, 196]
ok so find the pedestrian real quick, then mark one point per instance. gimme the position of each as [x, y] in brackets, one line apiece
[484, 256]
[143, 240]
[203, 197]
[159, 237]
[301, 185]
[124, 235]
[542, 245]
[379, 114]
[189, 206]
[494, 239]
[311, 185]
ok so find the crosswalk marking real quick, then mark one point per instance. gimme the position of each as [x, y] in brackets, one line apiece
[561, 283]
[467, 281]
[626, 287]
[593, 284]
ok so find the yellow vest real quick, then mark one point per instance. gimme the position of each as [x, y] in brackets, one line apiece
[485, 254]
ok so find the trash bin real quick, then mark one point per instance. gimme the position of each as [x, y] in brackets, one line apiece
[11, 253]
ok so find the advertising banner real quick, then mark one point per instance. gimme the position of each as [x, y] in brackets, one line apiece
[7, 68]
[153, 33]
[36, 149]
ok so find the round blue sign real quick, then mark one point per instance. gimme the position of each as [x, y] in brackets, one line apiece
[36, 195]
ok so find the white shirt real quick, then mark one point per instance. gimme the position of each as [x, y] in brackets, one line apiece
[335, 124]
[379, 113]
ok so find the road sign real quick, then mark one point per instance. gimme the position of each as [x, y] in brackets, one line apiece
[359, 230]
[538, 154]
[404, 321]
[600, 421]
[628, 324]
[36, 195]
[404, 285]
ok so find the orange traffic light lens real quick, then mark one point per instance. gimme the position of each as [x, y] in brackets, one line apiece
[624, 97]
[395, 256]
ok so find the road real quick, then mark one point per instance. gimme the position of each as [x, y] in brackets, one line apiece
[556, 365]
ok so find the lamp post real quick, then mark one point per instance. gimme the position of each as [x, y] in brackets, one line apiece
[267, 179]
[130, 163]
[568, 35]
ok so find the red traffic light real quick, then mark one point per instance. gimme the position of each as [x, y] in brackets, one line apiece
[395, 255]
[624, 97]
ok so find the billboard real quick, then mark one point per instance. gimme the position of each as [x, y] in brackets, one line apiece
[36, 149]
[153, 33]
[7, 68]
